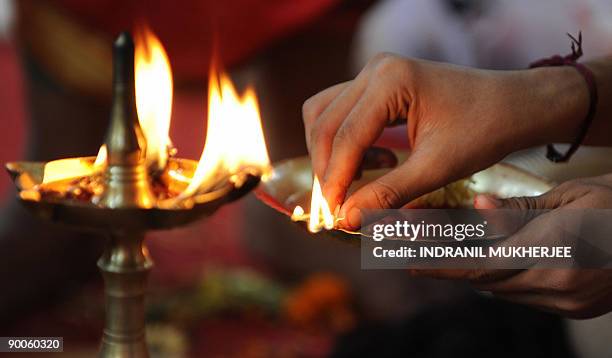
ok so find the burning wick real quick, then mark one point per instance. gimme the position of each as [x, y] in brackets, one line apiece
[320, 216]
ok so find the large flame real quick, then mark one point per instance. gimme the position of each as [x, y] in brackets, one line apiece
[234, 136]
[153, 95]
[320, 216]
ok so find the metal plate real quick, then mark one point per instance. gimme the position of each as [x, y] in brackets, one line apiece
[26, 175]
[291, 183]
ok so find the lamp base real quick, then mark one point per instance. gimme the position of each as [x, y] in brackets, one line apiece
[125, 266]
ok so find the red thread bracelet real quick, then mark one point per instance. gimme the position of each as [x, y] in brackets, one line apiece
[570, 60]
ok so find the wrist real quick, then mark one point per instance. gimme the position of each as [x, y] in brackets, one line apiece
[557, 106]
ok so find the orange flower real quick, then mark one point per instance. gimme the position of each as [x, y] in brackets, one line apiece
[322, 301]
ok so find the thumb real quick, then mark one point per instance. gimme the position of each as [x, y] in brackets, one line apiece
[548, 200]
[391, 191]
[510, 214]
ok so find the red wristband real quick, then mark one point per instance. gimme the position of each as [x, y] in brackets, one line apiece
[570, 60]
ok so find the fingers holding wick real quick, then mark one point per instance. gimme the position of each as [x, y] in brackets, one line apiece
[391, 191]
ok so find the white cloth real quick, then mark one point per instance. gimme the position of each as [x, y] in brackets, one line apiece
[508, 34]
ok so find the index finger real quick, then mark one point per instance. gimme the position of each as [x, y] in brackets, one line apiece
[358, 132]
[314, 106]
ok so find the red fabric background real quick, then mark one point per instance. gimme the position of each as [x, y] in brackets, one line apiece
[13, 117]
[188, 29]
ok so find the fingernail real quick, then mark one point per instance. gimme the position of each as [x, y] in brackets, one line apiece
[486, 202]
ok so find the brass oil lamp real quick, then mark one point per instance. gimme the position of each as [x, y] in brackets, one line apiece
[123, 199]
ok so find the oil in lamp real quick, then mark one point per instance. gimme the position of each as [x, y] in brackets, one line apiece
[124, 192]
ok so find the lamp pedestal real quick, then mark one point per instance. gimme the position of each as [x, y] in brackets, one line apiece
[125, 266]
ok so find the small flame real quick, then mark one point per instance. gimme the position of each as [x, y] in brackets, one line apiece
[298, 214]
[153, 95]
[320, 214]
[62, 169]
[234, 136]
[101, 157]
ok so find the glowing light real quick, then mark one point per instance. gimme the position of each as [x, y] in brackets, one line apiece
[234, 136]
[298, 214]
[63, 169]
[154, 88]
[101, 157]
[320, 214]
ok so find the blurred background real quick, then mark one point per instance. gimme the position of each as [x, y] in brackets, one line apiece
[246, 282]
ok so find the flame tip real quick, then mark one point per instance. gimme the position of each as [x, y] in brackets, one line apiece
[154, 93]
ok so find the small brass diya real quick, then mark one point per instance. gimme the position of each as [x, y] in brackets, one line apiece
[124, 200]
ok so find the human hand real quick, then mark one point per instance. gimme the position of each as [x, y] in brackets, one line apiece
[572, 292]
[460, 121]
